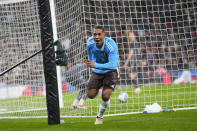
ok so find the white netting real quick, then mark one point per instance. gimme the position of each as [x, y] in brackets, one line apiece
[22, 89]
[165, 37]
[164, 32]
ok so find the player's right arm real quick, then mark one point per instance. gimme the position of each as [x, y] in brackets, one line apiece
[89, 47]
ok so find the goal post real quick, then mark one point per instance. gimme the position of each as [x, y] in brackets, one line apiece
[55, 38]
[49, 61]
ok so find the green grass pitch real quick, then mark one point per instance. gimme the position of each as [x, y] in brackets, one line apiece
[172, 121]
[171, 96]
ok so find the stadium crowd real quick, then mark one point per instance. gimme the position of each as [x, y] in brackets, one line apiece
[165, 31]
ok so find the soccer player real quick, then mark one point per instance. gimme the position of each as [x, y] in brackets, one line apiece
[77, 76]
[132, 59]
[103, 59]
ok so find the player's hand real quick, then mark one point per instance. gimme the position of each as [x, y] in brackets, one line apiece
[90, 63]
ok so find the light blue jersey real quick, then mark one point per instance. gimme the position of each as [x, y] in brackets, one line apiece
[106, 58]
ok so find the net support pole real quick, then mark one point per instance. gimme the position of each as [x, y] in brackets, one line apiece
[55, 37]
[52, 98]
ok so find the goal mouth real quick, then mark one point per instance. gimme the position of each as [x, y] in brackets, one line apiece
[162, 36]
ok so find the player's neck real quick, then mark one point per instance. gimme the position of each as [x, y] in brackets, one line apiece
[101, 46]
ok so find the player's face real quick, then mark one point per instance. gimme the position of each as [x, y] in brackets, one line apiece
[99, 37]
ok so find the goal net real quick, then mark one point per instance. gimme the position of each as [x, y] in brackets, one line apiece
[22, 90]
[163, 66]
[161, 33]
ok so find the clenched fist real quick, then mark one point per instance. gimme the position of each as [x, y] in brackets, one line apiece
[90, 63]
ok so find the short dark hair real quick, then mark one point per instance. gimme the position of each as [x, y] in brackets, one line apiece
[99, 27]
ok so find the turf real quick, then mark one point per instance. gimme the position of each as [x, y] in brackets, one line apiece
[174, 121]
[170, 96]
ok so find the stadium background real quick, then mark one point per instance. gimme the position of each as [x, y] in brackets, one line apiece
[165, 31]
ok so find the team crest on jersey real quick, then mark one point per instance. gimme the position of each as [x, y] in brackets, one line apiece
[105, 54]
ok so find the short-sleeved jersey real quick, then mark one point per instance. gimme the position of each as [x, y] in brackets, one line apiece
[106, 58]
